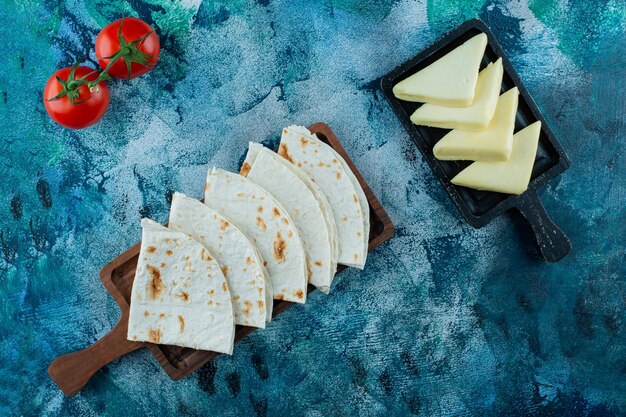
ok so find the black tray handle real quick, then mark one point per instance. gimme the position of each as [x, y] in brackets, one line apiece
[553, 243]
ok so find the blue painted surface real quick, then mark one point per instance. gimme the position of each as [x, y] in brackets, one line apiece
[445, 320]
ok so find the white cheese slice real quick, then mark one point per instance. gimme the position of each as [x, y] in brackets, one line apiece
[449, 81]
[492, 144]
[475, 117]
[512, 176]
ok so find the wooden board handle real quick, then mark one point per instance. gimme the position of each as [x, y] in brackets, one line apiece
[553, 243]
[72, 371]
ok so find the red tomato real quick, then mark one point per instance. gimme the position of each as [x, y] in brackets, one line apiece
[132, 39]
[89, 106]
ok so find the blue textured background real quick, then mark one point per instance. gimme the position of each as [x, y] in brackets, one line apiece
[445, 320]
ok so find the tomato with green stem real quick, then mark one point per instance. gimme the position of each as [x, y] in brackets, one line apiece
[76, 97]
[127, 48]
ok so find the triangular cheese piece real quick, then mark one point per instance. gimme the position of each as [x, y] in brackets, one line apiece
[476, 116]
[492, 145]
[449, 81]
[512, 176]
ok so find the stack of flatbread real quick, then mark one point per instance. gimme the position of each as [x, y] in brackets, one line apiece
[283, 222]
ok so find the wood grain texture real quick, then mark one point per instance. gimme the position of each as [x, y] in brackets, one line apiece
[72, 371]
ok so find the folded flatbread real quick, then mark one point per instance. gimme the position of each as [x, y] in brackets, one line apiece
[264, 220]
[241, 264]
[332, 174]
[179, 296]
[293, 189]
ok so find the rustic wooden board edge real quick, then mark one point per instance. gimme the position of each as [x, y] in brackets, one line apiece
[106, 274]
[198, 358]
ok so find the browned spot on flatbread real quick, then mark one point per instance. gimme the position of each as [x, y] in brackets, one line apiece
[184, 296]
[146, 313]
[338, 175]
[264, 263]
[205, 255]
[225, 270]
[189, 265]
[317, 263]
[154, 335]
[260, 290]
[344, 218]
[249, 260]
[276, 212]
[261, 305]
[335, 161]
[181, 321]
[279, 248]
[236, 297]
[169, 252]
[207, 185]
[356, 257]
[155, 284]
[283, 151]
[224, 287]
[278, 296]
[261, 224]
[303, 141]
[162, 315]
[248, 309]
[320, 164]
[285, 131]
[163, 264]
[356, 199]
[299, 164]
[260, 209]
[150, 249]
[299, 294]
[134, 337]
[224, 225]
[359, 234]
[290, 233]
[167, 240]
[209, 303]
[245, 169]
[285, 221]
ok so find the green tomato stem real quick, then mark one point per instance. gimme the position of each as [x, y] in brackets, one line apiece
[128, 52]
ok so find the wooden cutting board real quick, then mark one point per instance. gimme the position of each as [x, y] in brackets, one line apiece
[72, 371]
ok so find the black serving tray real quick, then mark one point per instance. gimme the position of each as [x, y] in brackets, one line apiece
[480, 207]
